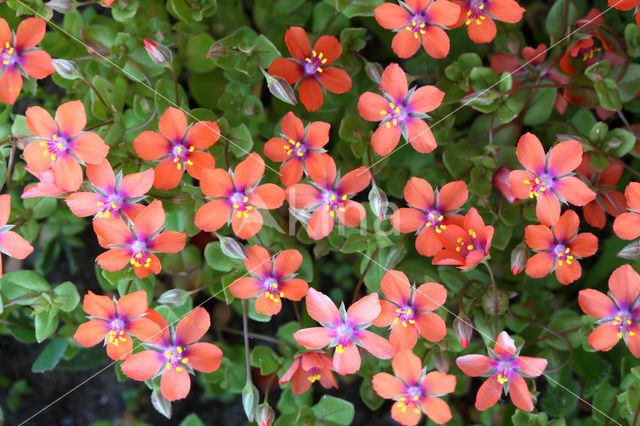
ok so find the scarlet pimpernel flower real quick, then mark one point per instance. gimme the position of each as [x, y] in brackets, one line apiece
[548, 178]
[312, 67]
[270, 280]
[236, 197]
[46, 186]
[297, 147]
[329, 197]
[479, 15]
[115, 323]
[61, 143]
[18, 56]
[400, 112]
[419, 22]
[465, 245]
[559, 248]
[408, 310]
[506, 369]
[175, 354]
[414, 390]
[11, 243]
[178, 146]
[625, 5]
[307, 369]
[112, 194]
[345, 330]
[627, 225]
[430, 213]
[618, 314]
[138, 245]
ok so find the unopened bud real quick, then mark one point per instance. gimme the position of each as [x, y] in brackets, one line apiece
[501, 182]
[464, 329]
[61, 6]
[266, 415]
[440, 361]
[519, 257]
[631, 251]
[301, 216]
[374, 71]
[495, 302]
[66, 69]
[217, 50]
[378, 202]
[250, 400]
[280, 88]
[160, 403]
[396, 254]
[231, 248]
[159, 54]
[175, 297]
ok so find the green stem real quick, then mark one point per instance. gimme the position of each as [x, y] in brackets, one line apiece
[364, 274]
[253, 335]
[175, 85]
[245, 328]
[495, 298]
[98, 95]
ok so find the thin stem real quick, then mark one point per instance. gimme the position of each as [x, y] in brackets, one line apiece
[555, 333]
[364, 274]
[297, 311]
[266, 391]
[245, 328]
[20, 299]
[175, 85]
[12, 157]
[95, 126]
[495, 299]
[253, 335]
[635, 416]
[98, 95]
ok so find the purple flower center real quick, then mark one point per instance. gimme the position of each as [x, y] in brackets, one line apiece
[295, 148]
[624, 320]
[344, 335]
[465, 245]
[240, 203]
[417, 25]
[271, 289]
[110, 205]
[139, 255]
[434, 219]
[411, 398]
[174, 358]
[332, 201]
[476, 12]
[180, 155]
[116, 331]
[313, 64]
[395, 116]
[562, 254]
[405, 316]
[503, 370]
[54, 146]
[8, 55]
[540, 184]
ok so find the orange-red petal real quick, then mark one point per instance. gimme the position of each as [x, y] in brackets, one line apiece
[192, 327]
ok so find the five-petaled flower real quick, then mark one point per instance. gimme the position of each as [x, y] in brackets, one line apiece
[11, 243]
[62, 143]
[308, 368]
[112, 193]
[46, 186]
[115, 323]
[328, 197]
[312, 66]
[414, 390]
[138, 245]
[419, 22]
[618, 314]
[297, 147]
[430, 212]
[400, 112]
[559, 248]
[19, 56]
[236, 197]
[627, 225]
[175, 354]
[271, 280]
[408, 310]
[548, 177]
[466, 244]
[506, 369]
[345, 330]
[179, 146]
[478, 16]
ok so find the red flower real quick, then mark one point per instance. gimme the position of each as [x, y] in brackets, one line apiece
[548, 178]
[46, 186]
[111, 323]
[559, 248]
[465, 245]
[478, 16]
[430, 213]
[62, 143]
[236, 196]
[270, 281]
[504, 366]
[306, 369]
[608, 199]
[627, 225]
[419, 22]
[19, 56]
[112, 193]
[311, 66]
[414, 390]
[297, 146]
[584, 49]
[400, 112]
[344, 330]
[138, 245]
[328, 197]
[625, 5]
[501, 182]
[618, 314]
[178, 146]
[408, 310]
[175, 355]
[11, 243]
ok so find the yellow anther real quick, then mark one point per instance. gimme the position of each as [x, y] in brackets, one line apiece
[467, 22]
[176, 159]
[395, 321]
[481, 7]
[179, 166]
[313, 53]
[45, 152]
[319, 69]
[189, 162]
[333, 197]
[43, 144]
[429, 224]
[470, 247]
[100, 203]
[167, 354]
[54, 137]
[107, 213]
[468, 13]
[344, 197]
[114, 205]
[139, 255]
[59, 146]
[398, 310]
[404, 323]
[168, 366]
[332, 213]
[438, 231]
[245, 199]
[132, 261]
[383, 112]
[527, 181]
[395, 121]
[537, 180]
[502, 379]
[53, 157]
[412, 321]
[632, 333]
[619, 335]
[388, 125]
[185, 360]
[413, 22]
[192, 148]
[179, 149]
[179, 368]
[340, 349]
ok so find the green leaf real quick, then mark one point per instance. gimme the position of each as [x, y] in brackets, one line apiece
[265, 51]
[369, 396]
[603, 400]
[46, 322]
[357, 7]
[66, 297]
[559, 401]
[50, 356]
[353, 39]
[241, 141]
[266, 359]
[608, 94]
[23, 283]
[192, 420]
[215, 258]
[541, 106]
[334, 410]
[555, 19]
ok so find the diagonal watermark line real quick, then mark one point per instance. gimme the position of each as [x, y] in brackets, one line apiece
[488, 337]
[521, 67]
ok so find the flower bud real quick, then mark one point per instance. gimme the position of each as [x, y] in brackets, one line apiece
[519, 257]
[66, 69]
[231, 248]
[631, 251]
[501, 182]
[440, 361]
[159, 54]
[176, 297]
[280, 88]
[61, 6]
[374, 71]
[378, 202]
[495, 303]
[250, 400]
[301, 216]
[160, 403]
[464, 329]
[266, 415]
